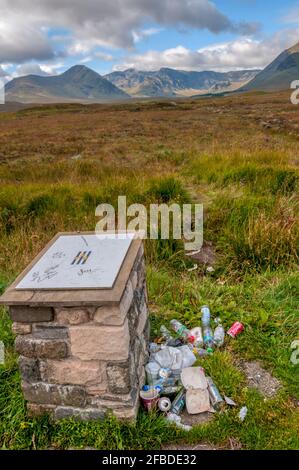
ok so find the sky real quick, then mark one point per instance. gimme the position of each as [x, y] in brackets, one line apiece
[46, 37]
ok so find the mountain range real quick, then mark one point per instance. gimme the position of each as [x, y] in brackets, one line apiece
[279, 74]
[79, 83]
[82, 84]
[170, 82]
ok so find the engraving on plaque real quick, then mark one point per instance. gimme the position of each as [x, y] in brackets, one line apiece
[79, 262]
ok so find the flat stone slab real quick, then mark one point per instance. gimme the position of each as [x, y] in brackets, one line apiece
[261, 379]
[79, 262]
[90, 291]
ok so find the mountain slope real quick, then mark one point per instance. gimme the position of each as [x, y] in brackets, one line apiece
[170, 82]
[79, 83]
[279, 74]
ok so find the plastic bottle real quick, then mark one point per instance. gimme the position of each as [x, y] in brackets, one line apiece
[179, 402]
[201, 352]
[164, 373]
[182, 330]
[165, 333]
[219, 335]
[165, 382]
[208, 337]
[171, 390]
[197, 333]
[174, 418]
[152, 372]
[154, 347]
[215, 397]
[198, 351]
[205, 316]
[146, 388]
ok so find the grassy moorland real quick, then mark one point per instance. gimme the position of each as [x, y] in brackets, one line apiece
[239, 156]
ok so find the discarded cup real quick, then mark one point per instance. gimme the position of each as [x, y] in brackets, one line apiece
[149, 398]
[235, 329]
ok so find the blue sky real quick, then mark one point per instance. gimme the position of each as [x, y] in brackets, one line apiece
[49, 36]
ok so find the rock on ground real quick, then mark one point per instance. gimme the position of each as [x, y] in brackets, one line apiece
[261, 379]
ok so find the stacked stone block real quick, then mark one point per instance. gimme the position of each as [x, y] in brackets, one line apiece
[85, 361]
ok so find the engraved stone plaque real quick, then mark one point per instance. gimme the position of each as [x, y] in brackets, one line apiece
[79, 262]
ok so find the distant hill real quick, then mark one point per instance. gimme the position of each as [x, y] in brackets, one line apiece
[79, 83]
[170, 82]
[279, 74]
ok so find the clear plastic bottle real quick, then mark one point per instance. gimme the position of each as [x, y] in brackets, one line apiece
[197, 333]
[219, 335]
[179, 402]
[215, 397]
[182, 330]
[165, 333]
[208, 337]
[205, 316]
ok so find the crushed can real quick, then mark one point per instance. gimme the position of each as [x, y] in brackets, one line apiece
[164, 404]
[235, 329]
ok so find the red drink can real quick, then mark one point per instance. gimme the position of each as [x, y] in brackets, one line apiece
[235, 329]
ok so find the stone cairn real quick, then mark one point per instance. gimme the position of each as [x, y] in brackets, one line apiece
[86, 360]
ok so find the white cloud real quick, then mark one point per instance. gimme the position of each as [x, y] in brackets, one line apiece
[21, 41]
[239, 54]
[103, 56]
[145, 33]
[92, 23]
[30, 69]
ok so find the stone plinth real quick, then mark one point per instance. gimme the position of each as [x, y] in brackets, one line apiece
[83, 351]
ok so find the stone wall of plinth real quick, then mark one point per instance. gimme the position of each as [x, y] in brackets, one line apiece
[83, 361]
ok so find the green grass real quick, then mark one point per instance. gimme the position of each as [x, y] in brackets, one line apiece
[248, 183]
[267, 306]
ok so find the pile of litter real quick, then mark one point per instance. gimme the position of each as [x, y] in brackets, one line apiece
[172, 382]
